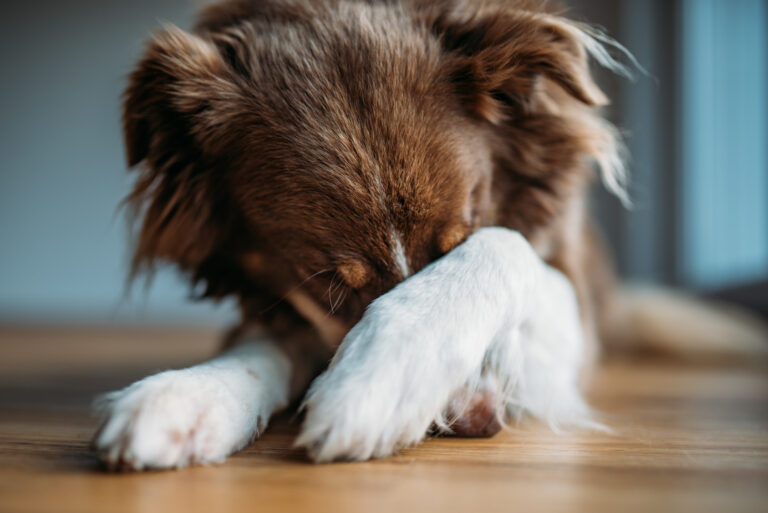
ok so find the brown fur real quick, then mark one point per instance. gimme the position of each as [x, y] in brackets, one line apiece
[283, 142]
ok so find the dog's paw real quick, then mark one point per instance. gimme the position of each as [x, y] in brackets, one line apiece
[347, 424]
[171, 420]
[392, 376]
[475, 411]
[369, 403]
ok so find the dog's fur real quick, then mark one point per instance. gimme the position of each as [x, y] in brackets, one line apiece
[307, 157]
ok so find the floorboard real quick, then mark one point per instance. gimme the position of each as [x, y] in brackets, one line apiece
[685, 438]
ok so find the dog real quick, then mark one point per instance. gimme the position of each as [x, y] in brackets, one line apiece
[398, 187]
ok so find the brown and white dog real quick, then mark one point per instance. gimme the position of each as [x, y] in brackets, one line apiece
[335, 165]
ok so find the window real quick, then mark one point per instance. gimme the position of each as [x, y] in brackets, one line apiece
[724, 195]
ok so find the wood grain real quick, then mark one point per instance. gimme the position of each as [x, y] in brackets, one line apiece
[685, 439]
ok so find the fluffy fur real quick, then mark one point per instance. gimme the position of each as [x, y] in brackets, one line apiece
[289, 139]
[196, 415]
[494, 311]
[335, 165]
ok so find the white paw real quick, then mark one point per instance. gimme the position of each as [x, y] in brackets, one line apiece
[171, 420]
[368, 404]
[350, 424]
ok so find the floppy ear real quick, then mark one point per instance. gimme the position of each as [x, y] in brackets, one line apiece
[499, 56]
[181, 92]
[511, 64]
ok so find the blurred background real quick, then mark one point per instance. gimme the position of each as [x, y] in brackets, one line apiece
[696, 126]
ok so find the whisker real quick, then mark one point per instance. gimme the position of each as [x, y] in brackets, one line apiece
[334, 285]
[339, 301]
[294, 289]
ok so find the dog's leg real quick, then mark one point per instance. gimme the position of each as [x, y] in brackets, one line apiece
[204, 413]
[489, 305]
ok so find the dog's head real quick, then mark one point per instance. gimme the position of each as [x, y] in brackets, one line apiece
[322, 152]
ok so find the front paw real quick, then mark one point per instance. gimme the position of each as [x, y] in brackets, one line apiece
[391, 377]
[369, 402]
[374, 399]
[171, 420]
[351, 422]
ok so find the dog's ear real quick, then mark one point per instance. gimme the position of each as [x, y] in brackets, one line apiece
[522, 66]
[498, 57]
[181, 93]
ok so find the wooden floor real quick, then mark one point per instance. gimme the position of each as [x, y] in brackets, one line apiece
[686, 439]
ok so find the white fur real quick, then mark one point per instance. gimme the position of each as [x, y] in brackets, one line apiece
[490, 313]
[491, 305]
[398, 255]
[197, 415]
